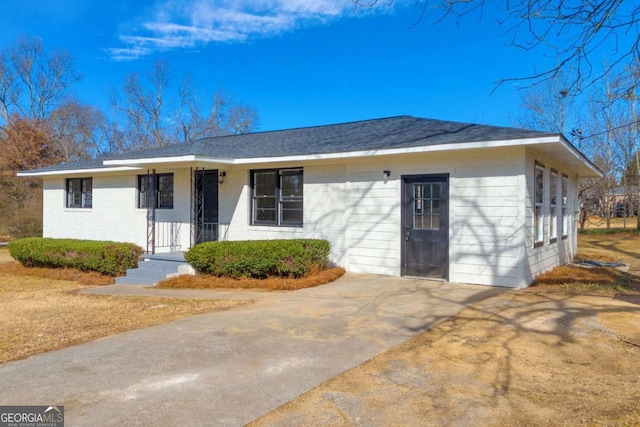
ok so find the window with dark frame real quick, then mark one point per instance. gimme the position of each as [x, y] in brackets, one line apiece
[565, 218]
[277, 197]
[538, 219]
[79, 192]
[553, 207]
[163, 194]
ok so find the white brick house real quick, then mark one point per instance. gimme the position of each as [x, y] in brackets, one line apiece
[398, 196]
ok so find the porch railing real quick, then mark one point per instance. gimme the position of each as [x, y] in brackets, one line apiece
[167, 235]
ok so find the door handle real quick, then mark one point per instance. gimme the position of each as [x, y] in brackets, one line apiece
[407, 236]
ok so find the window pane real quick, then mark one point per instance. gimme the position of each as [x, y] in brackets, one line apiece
[537, 228]
[291, 212]
[264, 213]
[417, 206]
[266, 202]
[87, 190]
[565, 220]
[539, 181]
[165, 191]
[435, 206]
[554, 189]
[435, 222]
[435, 191]
[265, 209]
[291, 184]
[266, 216]
[73, 193]
[143, 187]
[417, 191]
[553, 221]
[417, 222]
[265, 184]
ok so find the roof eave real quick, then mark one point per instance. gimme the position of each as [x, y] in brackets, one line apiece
[141, 162]
[63, 172]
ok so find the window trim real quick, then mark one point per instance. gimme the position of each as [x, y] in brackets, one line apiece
[279, 198]
[565, 206]
[83, 204]
[553, 207]
[538, 217]
[139, 193]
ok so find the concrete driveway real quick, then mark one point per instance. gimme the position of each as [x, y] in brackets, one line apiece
[228, 368]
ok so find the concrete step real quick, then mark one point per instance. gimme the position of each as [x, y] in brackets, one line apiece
[124, 280]
[155, 268]
[148, 274]
[161, 265]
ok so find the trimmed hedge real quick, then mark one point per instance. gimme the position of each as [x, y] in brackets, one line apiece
[109, 258]
[260, 258]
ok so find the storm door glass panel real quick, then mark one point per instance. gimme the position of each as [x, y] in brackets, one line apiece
[264, 197]
[426, 206]
[291, 195]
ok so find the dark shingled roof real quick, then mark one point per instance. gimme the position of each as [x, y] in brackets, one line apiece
[376, 134]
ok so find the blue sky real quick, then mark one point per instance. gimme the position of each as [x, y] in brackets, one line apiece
[298, 62]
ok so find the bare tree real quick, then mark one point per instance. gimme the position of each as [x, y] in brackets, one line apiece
[32, 80]
[142, 104]
[148, 117]
[574, 32]
[547, 106]
[224, 116]
[79, 130]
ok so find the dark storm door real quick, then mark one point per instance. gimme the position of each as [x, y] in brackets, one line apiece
[206, 206]
[425, 249]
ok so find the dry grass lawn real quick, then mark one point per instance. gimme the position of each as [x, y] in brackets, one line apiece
[40, 314]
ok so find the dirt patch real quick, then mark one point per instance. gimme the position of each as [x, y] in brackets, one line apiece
[522, 358]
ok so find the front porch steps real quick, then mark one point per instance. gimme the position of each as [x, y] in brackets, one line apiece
[155, 268]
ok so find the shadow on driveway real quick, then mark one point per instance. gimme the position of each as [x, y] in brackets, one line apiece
[229, 368]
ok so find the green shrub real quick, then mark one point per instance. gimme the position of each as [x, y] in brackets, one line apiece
[110, 258]
[260, 258]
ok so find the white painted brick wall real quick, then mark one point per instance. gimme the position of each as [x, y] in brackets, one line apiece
[357, 211]
[114, 214]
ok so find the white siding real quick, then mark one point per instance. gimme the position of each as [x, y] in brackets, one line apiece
[485, 210]
[549, 255]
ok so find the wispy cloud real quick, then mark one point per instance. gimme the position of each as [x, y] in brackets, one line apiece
[184, 24]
